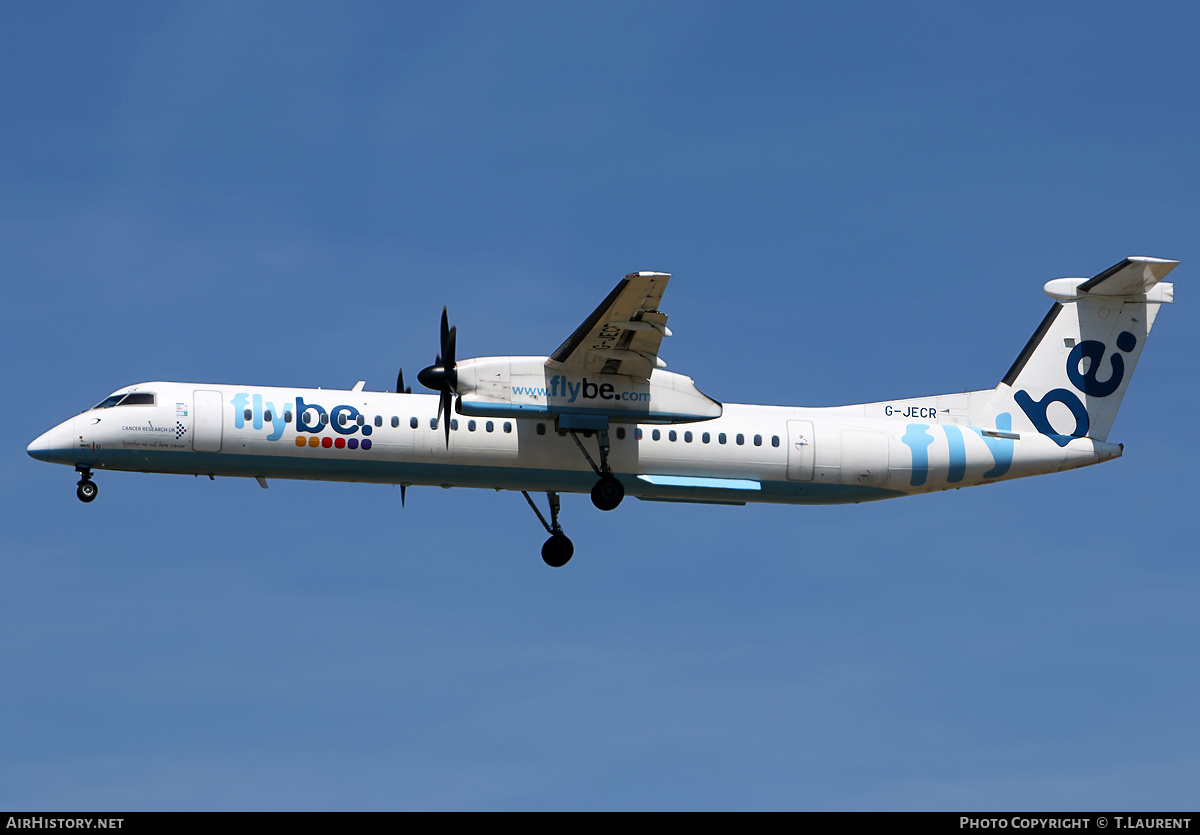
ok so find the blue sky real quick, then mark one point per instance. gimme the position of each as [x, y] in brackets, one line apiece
[857, 202]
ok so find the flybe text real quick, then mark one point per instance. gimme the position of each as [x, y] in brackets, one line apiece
[309, 417]
[560, 386]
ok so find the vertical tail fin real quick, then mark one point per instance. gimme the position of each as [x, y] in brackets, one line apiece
[1069, 380]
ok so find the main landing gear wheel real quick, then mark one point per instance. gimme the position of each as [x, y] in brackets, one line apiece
[558, 550]
[87, 490]
[607, 492]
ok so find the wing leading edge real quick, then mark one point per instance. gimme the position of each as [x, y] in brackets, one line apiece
[623, 334]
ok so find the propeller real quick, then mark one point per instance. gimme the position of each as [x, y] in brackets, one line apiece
[442, 376]
[400, 389]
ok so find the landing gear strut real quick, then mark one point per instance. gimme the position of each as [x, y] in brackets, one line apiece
[608, 491]
[86, 490]
[558, 548]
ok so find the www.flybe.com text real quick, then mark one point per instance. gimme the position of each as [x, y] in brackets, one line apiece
[560, 386]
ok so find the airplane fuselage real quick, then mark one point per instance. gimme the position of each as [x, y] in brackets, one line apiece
[750, 453]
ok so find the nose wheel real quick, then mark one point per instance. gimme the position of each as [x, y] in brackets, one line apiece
[86, 489]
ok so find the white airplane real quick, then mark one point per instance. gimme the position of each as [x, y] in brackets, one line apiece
[601, 415]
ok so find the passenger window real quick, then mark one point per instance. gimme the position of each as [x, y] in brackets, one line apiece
[248, 415]
[360, 420]
[741, 439]
[721, 438]
[454, 424]
[774, 440]
[705, 438]
[687, 437]
[341, 418]
[378, 420]
[508, 427]
[412, 423]
[656, 435]
[637, 433]
[541, 429]
[758, 440]
[620, 433]
[325, 419]
[671, 435]
[287, 416]
[433, 423]
[489, 426]
[267, 415]
[396, 422]
[470, 426]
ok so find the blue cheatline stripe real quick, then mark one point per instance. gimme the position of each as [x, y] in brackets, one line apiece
[697, 481]
[478, 408]
[327, 465]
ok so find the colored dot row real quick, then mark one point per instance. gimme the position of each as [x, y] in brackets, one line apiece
[327, 442]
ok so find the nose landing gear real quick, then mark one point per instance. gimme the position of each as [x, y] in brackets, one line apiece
[86, 490]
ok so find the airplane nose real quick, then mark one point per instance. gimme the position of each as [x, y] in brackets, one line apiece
[40, 448]
[52, 445]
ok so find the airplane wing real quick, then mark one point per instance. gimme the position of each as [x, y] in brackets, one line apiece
[622, 335]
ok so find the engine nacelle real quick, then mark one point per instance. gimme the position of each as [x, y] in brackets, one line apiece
[525, 387]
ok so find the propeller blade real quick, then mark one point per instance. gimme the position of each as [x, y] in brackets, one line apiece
[442, 376]
[400, 382]
[445, 404]
[401, 495]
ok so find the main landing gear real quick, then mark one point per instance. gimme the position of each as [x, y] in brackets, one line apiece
[608, 491]
[86, 490]
[558, 548]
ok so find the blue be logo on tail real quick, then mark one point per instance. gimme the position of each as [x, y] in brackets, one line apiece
[1087, 382]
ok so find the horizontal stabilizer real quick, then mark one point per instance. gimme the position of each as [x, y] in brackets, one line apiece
[1135, 276]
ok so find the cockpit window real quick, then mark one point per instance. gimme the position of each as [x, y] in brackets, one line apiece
[137, 398]
[111, 400]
